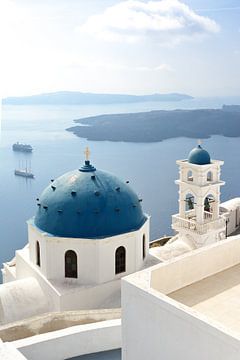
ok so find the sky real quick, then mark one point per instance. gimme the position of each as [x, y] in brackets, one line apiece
[112, 46]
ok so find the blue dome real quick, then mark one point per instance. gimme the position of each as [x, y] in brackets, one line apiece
[199, 156]
[88, 203]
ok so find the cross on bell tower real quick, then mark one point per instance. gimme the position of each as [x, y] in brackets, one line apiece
[199, 198]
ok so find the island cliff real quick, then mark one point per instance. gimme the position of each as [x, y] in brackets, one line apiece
[158, 125]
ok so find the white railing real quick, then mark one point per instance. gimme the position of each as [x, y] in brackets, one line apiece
[208, 216]
[191, 215]
[181, 223]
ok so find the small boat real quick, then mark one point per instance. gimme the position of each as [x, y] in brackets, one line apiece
[22, 147]
[24, 172]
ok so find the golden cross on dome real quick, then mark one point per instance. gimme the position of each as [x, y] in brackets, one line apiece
[87, 153]
[199, 142]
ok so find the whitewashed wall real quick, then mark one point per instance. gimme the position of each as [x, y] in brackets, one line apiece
[21, 299]
[156, 327]
[195, 266]
[73, 341]
[8, 352]
[153, 329]
[232, 213]
[96, 258]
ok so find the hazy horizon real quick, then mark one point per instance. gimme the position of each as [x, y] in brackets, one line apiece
[234, 96]
[91, 92]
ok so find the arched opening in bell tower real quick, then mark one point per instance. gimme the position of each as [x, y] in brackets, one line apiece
[190, 211]
[190, 202]
[209, 207]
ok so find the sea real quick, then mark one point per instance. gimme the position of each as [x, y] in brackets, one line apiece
[150, 167]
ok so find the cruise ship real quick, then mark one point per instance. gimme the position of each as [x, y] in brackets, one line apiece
[22, 147]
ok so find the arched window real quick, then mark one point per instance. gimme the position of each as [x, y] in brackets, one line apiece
[38, 255]
[190, 202]
[143, 247]
[209, 203]
[71, 264]
[189, 176]
[209, 176]
[120, 260]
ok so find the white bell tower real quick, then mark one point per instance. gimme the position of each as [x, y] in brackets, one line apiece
[199, 219]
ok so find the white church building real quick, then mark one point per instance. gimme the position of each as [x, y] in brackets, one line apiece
[88, 232]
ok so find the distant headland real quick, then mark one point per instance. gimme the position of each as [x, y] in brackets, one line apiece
[80, 98]
[159, 125]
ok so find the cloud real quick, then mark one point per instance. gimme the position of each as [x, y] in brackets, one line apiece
[104, 65]
[164, 67]
[220, 9]
[166, 22]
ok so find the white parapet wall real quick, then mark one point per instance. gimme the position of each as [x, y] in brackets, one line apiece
[21, 299]
[231, 208]
[196, 265]
[73, 341]
[155, 326]
[8, 352]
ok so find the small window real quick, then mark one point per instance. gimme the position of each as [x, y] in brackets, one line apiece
[190, 176]
[71, 264]
[143, 247]
[209, 176]
[120, 260]
[38, 255]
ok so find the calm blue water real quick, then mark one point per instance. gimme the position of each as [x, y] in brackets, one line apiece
[151, 168]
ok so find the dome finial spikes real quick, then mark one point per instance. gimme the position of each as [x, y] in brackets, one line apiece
[87, 153]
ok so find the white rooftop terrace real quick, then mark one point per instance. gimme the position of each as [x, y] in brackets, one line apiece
[217, 297]
[207, 281]
[190, 306]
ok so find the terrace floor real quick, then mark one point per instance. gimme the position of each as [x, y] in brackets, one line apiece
[217, 297]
